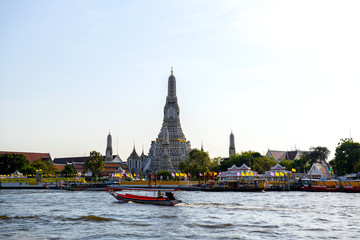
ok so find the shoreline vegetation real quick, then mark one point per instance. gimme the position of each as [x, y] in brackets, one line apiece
[200, 171]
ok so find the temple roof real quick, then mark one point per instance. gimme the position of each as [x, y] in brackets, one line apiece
[31, 156]
[66, 160]
[134, 155]
[278, 167]
[284, 155]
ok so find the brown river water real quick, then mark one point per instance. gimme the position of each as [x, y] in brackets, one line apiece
[54, 214]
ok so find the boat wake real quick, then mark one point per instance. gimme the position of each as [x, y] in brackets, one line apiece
[238, 206]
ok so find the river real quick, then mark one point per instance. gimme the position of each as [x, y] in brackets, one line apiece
[54, 214]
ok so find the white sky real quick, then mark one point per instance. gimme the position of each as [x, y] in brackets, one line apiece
[280, 74]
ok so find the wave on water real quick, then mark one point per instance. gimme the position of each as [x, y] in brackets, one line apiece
[4, 217]
[138, 224]
[94, 218]
[166, 216]
[27, 217]
[212, 226]
[91, 218]
[9, 218]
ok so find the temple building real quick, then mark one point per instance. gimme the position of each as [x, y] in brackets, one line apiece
[112, 163]
[284, 155]
[135, 162]
[170, 147]
[232, 145]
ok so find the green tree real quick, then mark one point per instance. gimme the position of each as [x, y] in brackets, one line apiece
[46, 166]
[28, 169]
[347, 157]
[94, 164]
[69, 170]
[301, 165]
[254, 160]
[198, 162]
[215, 164]
[316, 155]
[288, 164]
[9, 163]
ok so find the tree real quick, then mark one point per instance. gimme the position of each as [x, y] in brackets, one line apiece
[254, 160]
[317, 155]
[288, 164]
[347, 157]
[301, 165]
[46, 166]
[28, 169]
[9, 163]
[69, 170]
[198, 162]
[215, 164]
[94, 164]
[307, 159]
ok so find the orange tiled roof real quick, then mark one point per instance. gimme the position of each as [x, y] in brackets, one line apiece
[31, 156]
[112, 165]
[60, 167]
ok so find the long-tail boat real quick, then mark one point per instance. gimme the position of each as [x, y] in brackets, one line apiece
[148, 196]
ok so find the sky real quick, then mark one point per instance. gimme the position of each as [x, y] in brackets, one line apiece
[282, 75]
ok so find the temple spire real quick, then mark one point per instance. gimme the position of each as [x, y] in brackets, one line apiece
[232, 144]
[109, 152]
[172, 86]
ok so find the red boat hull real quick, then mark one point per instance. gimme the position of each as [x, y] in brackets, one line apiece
[144, 199]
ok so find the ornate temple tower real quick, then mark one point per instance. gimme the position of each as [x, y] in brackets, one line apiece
[175, 145]
[165, 163]
[109, 152]
[232, 144]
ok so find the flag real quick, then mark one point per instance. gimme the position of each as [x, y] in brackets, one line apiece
[252, 173]
[247, 174]
[272, 174]
[242, 174]
[200, 174]
[238, 174]
[215, 173]
[277, 174]
[176, 174]
[281, 174]
[172, 174]
[293, 170]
